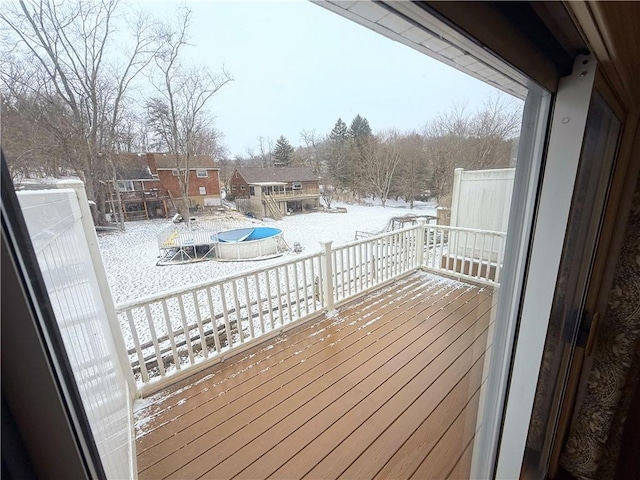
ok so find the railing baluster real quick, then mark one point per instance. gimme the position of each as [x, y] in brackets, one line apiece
[483, 264]
[334, 280]
[342, 272]
[203, 341]
[367, 259]
[317, 287]
[442, 234]
[279, 293]
[154, 339]
[456, 247]
[363, 264]
[236, 302]
[465, 256]
[387, 257]
[297, 287]
[305, 283]
[172, 340]
[248, 307]
[136, 344]
[287, 283]
[407, 254]
[493, 238]
[379, 260]
[473, 255]
[259, 300]
[500, 259]
[225, 314]
[214, 322]
[185, 328]
[348, 254]
[269, 306]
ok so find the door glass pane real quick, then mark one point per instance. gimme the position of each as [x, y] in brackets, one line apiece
[387, 375]
[565, 329]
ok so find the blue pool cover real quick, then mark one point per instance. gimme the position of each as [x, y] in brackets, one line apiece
[247, 234]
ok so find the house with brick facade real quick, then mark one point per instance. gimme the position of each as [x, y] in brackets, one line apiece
[275, 191]
[148, 184]
[203, 178]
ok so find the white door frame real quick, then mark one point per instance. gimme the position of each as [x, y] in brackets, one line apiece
[561, 168]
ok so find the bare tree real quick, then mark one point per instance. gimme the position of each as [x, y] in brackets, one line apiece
[475, 141]
[411, 178]
[312, 154]
[381, 157]
[177, 114]
[69, 44]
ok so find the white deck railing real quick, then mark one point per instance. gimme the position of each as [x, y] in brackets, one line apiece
[173, 334]
[470, 253]
[176, 330]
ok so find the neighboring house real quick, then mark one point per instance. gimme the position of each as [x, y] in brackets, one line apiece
[148, 184]
[138, 189]
[204, 178]
[275, 191]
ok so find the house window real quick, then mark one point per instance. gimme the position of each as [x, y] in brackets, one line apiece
[125, 186]
[201, 173]
[296, 186]
[252, 191]
[243, 187]
[203, 190]
[233, 188]
[174, 172]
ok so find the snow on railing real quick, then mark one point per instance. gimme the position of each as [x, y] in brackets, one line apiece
[173, 332]
[469, 253]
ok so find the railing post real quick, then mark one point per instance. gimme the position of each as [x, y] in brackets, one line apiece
[327, 275]
[420, 242]
[101, 277]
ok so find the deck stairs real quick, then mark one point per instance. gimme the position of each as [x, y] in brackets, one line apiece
[272, 207]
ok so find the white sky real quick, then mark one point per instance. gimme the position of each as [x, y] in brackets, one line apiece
[298, 66]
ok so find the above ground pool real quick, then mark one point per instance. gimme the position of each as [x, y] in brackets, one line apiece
[248, 243]
[247, 234]
[194, 245]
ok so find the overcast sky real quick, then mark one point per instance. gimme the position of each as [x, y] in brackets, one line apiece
[298, 66]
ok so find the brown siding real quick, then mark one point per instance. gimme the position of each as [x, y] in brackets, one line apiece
[235, 186]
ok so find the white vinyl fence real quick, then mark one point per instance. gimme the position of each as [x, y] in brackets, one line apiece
[62, 233]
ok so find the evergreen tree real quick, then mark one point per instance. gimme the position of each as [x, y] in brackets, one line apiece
[282, 152]
[361, 148]
[360, 127]
[338, 165]
[340, 133]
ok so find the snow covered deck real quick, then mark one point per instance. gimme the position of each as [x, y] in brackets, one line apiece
[389, 387]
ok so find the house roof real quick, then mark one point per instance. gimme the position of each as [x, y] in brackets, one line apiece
[167, 160]
[277, 174]
[131, 166]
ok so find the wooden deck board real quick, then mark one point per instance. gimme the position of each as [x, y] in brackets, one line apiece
[352, 395]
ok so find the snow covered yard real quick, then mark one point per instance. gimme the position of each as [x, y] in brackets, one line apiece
[130, 257]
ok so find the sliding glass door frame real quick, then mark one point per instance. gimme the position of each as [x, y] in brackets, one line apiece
[517, 379]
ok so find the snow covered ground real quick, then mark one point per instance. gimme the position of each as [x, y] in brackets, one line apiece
[130, 257]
